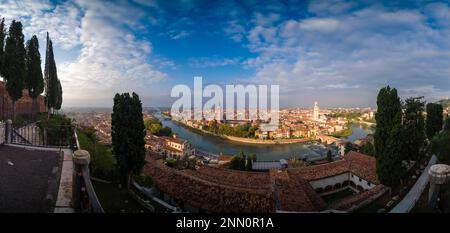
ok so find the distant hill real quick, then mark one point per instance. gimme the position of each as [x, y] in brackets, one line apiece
[445, 103]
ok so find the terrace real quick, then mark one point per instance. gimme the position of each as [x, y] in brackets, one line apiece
[29, 179]
[38, 167]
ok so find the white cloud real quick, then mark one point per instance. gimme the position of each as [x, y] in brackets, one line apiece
[40, 16]
[319, 24]
[111, 58]
[204, 62]
[358, 52]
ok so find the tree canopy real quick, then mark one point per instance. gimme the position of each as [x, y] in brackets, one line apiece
[53, 89]
[35, 80]
[387, 137]
[440, 144]
[413, 132]
[2, 44]
[14, 61]
[434, 119]
[128, 133]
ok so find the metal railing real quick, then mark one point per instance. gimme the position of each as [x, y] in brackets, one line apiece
[93, 204]
[87, 196]
[59, 136]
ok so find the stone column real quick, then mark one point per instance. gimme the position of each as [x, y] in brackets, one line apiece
[80, 158]
[8, 131]
[439, 175]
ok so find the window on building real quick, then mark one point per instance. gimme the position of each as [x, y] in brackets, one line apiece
[360, 180]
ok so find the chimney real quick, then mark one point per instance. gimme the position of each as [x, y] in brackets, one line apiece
[174, 136]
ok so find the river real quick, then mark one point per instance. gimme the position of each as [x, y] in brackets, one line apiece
[272, 152]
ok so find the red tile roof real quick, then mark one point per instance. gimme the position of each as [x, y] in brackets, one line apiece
[223, 190]
[363, 166]
[208, 193]
[294, 193]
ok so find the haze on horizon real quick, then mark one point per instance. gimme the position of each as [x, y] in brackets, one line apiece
[336, 52]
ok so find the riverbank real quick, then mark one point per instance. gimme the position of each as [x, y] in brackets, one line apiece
[343, 134]
[247, 140]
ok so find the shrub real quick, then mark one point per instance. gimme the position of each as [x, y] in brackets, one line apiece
[143, 180]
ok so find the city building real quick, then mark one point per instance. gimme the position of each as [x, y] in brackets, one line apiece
[316, 115]
[176, 147]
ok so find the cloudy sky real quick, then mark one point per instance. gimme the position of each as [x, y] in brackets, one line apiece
[337, 52]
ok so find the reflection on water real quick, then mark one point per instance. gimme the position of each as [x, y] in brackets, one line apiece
[359, 131]
[218, 145]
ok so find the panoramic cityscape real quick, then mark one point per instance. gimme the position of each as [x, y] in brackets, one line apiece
[224, 107]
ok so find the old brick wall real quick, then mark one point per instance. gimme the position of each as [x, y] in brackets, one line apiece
[23, 106]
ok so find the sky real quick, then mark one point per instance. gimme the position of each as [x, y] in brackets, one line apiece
[339, 53]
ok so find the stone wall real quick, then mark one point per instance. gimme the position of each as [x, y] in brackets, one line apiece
[23, 106]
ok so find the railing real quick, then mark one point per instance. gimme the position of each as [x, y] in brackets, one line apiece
[84, 195]
[93, 204]
[60, 136]
[411, 198]
[2, 133]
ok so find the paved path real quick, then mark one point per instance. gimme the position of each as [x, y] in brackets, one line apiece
[28, 179]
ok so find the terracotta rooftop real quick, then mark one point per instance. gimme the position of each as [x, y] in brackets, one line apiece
[176, 140]
[362, 165]
[208, 193]
[223, 190]
[294, 193]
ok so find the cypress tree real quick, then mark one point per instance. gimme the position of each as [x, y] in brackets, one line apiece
[128, 133]
[413, 129]
[249, 164]
[387, 137]
[14, 63]
[2, 45]
[434, 119]
[2, 52]
[440, 144]
[34, 81]
[59, 99]
[50, 77]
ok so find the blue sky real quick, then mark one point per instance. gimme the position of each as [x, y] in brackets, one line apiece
[337, 52]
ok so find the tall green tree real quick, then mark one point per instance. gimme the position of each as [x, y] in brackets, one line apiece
[440, 145]
[367, 149]
[413, 132]
[2, 53]
[50, 78]
[348, 147]
[387, 137]
[128, 133]
[434, 119]
[35, 80]
[2, 45]
[329, 156]
[14, 63]
[59, 96]
[249, 164]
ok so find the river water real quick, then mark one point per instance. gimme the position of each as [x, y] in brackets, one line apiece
[272, 152]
